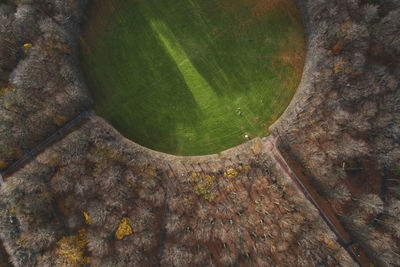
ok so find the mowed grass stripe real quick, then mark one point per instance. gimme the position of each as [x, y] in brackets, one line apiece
[201, 90]
[170, 74]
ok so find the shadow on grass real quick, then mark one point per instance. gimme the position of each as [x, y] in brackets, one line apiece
[213, 50]
[171, 74]
[161, 101]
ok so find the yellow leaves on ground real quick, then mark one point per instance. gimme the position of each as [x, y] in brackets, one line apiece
[27, 47]
[8, 40]
[330, 243]
[4, 90]
[205, 185]
[188, 202]
[231, 173]
[337, 48]
[339, 66]
[53, 159]
[247, 168]
[3, 165]
[12, 210]
[87, 218]
[60, 120]
[71, 249]
[124, 229]
[257, 147]
[345, 27]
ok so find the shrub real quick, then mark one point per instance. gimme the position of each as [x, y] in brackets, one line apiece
[71, 249]
[124, 229]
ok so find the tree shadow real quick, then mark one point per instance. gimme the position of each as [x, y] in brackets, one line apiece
[230, 49]
[139, 90]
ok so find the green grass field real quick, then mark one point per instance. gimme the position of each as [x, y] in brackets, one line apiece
[171, 74]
